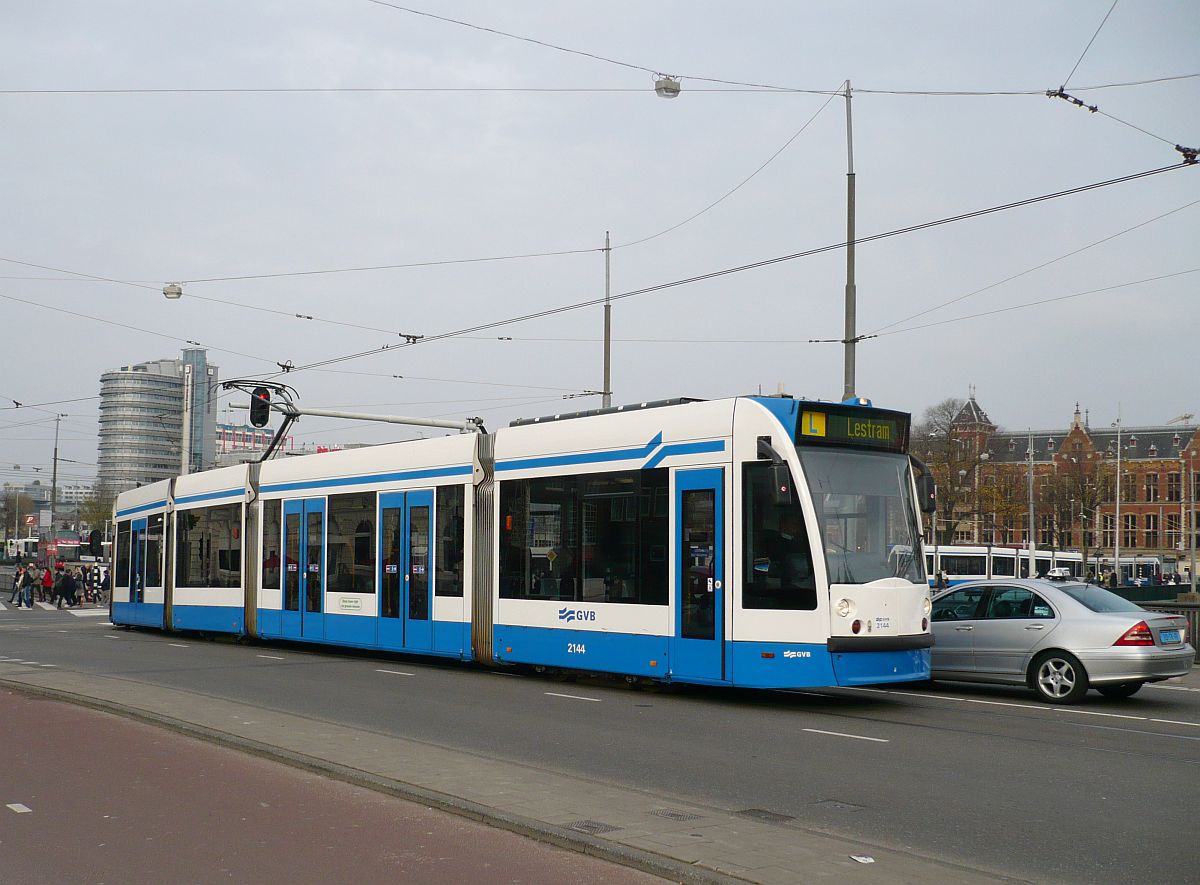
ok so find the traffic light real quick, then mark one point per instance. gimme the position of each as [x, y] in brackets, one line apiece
[260, 407]
[96, 543]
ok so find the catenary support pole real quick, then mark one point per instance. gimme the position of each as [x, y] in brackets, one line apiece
[607, 389]
[851, 295]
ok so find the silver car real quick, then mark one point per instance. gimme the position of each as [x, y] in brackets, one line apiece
[1058, 638]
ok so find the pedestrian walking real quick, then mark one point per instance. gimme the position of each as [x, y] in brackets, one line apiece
[32, 579]
[47, 584]
[65, 589]
[105, 587]
[18, 579]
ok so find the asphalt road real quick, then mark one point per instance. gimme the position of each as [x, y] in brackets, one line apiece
[1103, 791]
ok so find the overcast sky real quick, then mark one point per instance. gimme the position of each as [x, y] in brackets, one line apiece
[153, 188]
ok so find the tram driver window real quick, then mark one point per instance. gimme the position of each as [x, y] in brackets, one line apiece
[779, 570]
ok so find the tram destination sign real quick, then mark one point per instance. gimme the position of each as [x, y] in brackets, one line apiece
[837, 425]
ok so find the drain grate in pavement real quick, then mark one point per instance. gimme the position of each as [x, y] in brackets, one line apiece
[669, 814]
[592, 827]
[838, 806]
[772, 817]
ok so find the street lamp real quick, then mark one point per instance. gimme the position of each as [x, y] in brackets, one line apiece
[1117, 527]
[666, 86]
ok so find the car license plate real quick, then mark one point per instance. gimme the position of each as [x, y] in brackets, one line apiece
[1168, 636]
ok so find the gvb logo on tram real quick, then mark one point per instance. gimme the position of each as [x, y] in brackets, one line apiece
[575, 614]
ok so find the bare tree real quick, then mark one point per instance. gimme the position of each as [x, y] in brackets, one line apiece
[954, 453]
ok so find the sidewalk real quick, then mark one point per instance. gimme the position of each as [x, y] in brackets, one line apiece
[655, 833]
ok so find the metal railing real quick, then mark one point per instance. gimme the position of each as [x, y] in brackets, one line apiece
[1190, 610]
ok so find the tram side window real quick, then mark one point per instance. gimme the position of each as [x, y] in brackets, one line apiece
[154, 551]
[208, 548]
[599, 537]
[1004, 566]
[964, 564]
[351, 544]
[779, 570]
[449, 539]
[121, 579]
[272, 533]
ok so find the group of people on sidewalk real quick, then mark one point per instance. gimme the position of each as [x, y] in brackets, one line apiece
[69, 586]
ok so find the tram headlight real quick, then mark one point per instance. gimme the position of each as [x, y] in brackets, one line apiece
[844, 608]
[926, 606]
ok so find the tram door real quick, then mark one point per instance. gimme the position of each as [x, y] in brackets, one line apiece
[304, 574]
[698, 647]
[406, 571]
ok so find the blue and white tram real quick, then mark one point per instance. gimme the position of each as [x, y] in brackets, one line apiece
[964, 562]
[755, 541]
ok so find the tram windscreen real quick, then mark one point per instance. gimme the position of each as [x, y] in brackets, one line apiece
[867, 514]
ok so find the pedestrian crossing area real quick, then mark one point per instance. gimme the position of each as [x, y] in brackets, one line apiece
[45, 606]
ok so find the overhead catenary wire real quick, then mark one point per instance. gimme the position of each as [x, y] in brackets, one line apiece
[1090, 42]
[1038, 303]
[740, 268]
[569, 90]
[1037, 267]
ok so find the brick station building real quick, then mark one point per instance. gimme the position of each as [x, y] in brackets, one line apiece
[1075, 486]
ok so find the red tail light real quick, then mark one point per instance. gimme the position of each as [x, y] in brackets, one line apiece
[1138, 634]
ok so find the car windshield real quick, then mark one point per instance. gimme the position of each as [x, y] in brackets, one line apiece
[865, 509]
[1098, 599]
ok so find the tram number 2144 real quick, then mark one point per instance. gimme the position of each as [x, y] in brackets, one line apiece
[576, 648]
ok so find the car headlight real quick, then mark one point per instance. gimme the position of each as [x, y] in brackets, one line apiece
[844, 608]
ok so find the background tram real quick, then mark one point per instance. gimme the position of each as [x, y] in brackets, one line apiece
[960, 562]
[755, 541]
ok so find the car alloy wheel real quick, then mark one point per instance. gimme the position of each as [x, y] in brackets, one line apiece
[1059, 678]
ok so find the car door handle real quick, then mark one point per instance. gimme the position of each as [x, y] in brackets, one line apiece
[964, 628]
[1035, 627]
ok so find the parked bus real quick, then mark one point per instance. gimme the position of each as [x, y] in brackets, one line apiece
[754, 541]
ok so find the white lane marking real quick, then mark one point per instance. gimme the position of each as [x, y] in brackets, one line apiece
[396, 672]
[1001, 704]
[1178, 737]
[45, 605]
[1174, 687]
[90, 613]
[176, 645]
[502, 673]
[19, 808]
[47, 665]
[573, 697]
[3, 607]
[112, 637]
[1094, 713]
[271, 657]
[943, 697]
[857, 737]
[1176, 722]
